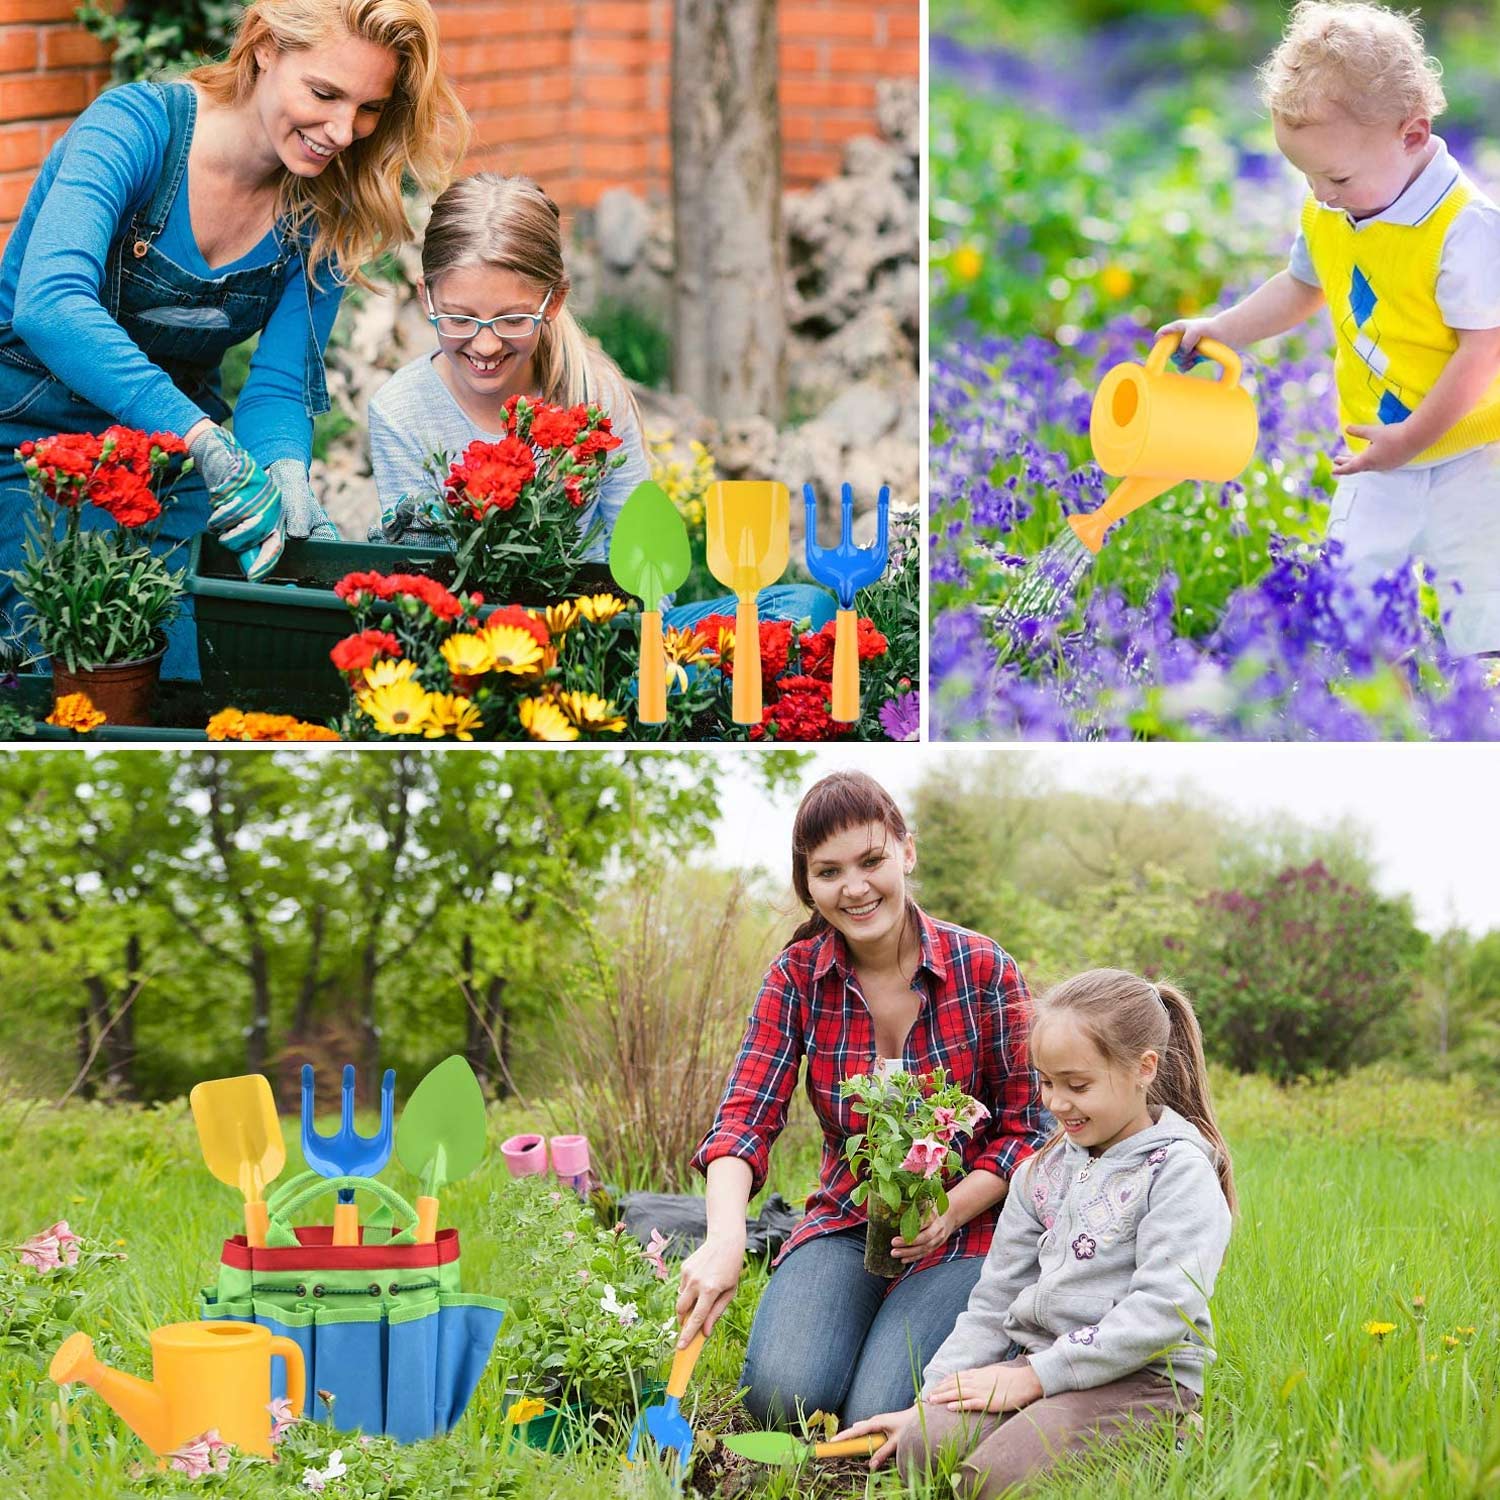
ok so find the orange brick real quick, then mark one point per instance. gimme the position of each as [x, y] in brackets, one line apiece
[44, 97]
[799, 58]
[814, 21]
[14, 187]
[536, 124]
[903, 26]
[68, 47]
[608, 88]
[621, 52]
[552, 88]
[620, 160]
[806, 164]
[612, 124]
[21, 148]
[836, 129]
[40, 10]
[802, 127]
[826, 93]
[20, 49]
[877, 62]
[615, 16]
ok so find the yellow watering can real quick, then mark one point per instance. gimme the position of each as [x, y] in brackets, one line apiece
[1157, 428]
[206, 1375]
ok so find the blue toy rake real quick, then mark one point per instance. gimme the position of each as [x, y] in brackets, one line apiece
[846, 569]
[346, 1153]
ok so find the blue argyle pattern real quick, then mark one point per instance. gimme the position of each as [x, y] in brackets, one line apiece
[1361, 329]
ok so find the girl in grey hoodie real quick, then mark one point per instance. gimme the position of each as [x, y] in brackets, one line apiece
[1090, 1317]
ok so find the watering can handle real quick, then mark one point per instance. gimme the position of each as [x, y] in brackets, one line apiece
[1166, 346]
[296, 1370]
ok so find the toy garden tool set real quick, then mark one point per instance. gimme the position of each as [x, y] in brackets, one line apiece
[1156, 428]
[650, 556]
[845, 569]
[783, 1448]
[664, 1423]
[372, 1317]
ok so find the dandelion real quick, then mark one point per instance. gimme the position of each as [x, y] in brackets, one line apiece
[75, 711]
[1450, 1342]
[1379, 1330]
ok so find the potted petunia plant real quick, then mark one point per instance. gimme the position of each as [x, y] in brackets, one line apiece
[904, 1153]
[97, 595]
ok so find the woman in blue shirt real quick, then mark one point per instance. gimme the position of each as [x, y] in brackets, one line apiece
[175, 220]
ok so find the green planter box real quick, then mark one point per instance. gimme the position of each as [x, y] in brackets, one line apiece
[181, 712]
[266, 644]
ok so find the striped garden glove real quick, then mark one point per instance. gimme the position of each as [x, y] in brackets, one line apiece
[305, 517]
[245, 510]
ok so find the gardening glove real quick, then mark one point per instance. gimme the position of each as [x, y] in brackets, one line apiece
[305, 518]
[245, 510]
[409, 520]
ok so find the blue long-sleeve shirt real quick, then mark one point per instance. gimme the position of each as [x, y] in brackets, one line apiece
[101, 172]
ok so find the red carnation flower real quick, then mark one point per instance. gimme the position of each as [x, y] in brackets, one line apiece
[557, 426]
[124, 495]
[799, 713]
[490, 476]
[601, 440]
[356, 652]
[817, 647]
[522, 619]
[352, 585]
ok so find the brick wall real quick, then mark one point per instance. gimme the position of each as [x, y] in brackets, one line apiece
[576, 94]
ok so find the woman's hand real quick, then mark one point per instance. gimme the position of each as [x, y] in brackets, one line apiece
[710, 1278]
[305, 517]
[934, 1232]
[997, 1388]
[245, 510]
[889, 1424]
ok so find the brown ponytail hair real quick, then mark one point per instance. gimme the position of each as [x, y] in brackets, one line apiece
[1125, 1016]
[840, 801]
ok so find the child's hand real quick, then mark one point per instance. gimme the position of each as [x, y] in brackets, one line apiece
[1006, 1387]
[1389, 448]
[933, 1233]
[889, 1423]
[1192, 330]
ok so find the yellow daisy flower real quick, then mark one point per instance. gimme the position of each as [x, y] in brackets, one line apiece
[682, 648]
[600, 609]
[398, 707]
[511, 648]
[560, 617]
[382, 674]
[75, 711]
[590, 711]
[544, 720]
[467, 655]
[452, 715]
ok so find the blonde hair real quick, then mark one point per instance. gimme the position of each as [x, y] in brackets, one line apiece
[356, 203]
[509, 223]
[1125, 1016]
[1364, 59]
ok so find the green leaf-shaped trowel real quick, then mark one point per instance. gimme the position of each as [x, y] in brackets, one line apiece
[440, 1136]
[649, 556]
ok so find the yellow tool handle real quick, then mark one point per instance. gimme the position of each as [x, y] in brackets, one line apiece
[296, 1370]
[747, 699]
[846, 667]
[427, 1211]
[257, 1220]
[685, 1359]
[1163, 349]
[346, 1223]
[850, 1447]
[651, 705]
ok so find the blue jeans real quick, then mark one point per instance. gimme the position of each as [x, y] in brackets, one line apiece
[782, 601]
[829, 1336]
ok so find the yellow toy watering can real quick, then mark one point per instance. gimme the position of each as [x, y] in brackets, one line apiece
[1157, 428]
[206, 1375]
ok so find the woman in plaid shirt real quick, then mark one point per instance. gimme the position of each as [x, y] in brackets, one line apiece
[868, 982]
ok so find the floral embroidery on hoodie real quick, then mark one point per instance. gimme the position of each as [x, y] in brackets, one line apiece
[1084, 1247]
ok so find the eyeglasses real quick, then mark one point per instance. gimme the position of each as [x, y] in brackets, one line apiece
[507, 326]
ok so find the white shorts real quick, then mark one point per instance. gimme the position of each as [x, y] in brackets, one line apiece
[1448, 515]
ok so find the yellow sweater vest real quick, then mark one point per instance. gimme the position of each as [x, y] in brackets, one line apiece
[1391, 343]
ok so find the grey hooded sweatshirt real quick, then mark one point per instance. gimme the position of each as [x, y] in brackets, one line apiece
[1101, 1265]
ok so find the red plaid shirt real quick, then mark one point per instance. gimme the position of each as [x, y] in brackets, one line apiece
[973, 1022]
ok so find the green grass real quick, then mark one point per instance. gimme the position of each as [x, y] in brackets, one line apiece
[1355, 1197]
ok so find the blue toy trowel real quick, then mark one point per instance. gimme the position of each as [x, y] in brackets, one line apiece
[346, 1153]
[846, 569]
[665, 1423]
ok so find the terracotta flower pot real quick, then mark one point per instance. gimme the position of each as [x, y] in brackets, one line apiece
[122, 691]
[884, 1224]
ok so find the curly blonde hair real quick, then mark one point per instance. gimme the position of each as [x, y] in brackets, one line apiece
[355, 205]
[1362, 58]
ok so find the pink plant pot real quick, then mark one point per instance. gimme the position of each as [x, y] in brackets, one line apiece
[525, 1155]
[570, 1161]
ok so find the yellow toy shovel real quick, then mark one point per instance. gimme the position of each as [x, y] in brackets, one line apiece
[1157, 428]
[749, 540]
[240, 1137]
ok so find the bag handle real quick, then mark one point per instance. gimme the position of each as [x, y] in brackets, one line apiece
[306, 1186]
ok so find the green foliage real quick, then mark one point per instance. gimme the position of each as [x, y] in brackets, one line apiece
[155, 38]
[1301, 972]
[635, 340]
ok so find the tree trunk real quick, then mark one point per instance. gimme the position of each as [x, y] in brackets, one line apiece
[258, 1037]
[499, 1023]
[729, 294]
[311, 981]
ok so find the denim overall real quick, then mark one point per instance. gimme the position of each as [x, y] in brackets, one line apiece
[184, 324]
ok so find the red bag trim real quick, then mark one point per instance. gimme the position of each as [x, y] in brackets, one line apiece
[315, 1251]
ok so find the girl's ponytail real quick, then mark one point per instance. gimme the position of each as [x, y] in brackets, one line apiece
[1181, 1081]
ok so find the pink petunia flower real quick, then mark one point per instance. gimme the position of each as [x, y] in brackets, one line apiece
[281, 1417]
[54, 1246]
[945, 1123]
[206, 1453]
[973, 1112]
[926, 1156]
[653, 1253]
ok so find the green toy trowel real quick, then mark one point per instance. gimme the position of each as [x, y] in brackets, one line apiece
[440, 1136]
[649, 556]
[783, 1448]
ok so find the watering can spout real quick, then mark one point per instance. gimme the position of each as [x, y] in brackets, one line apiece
[1130, 494]
[139, 1403]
